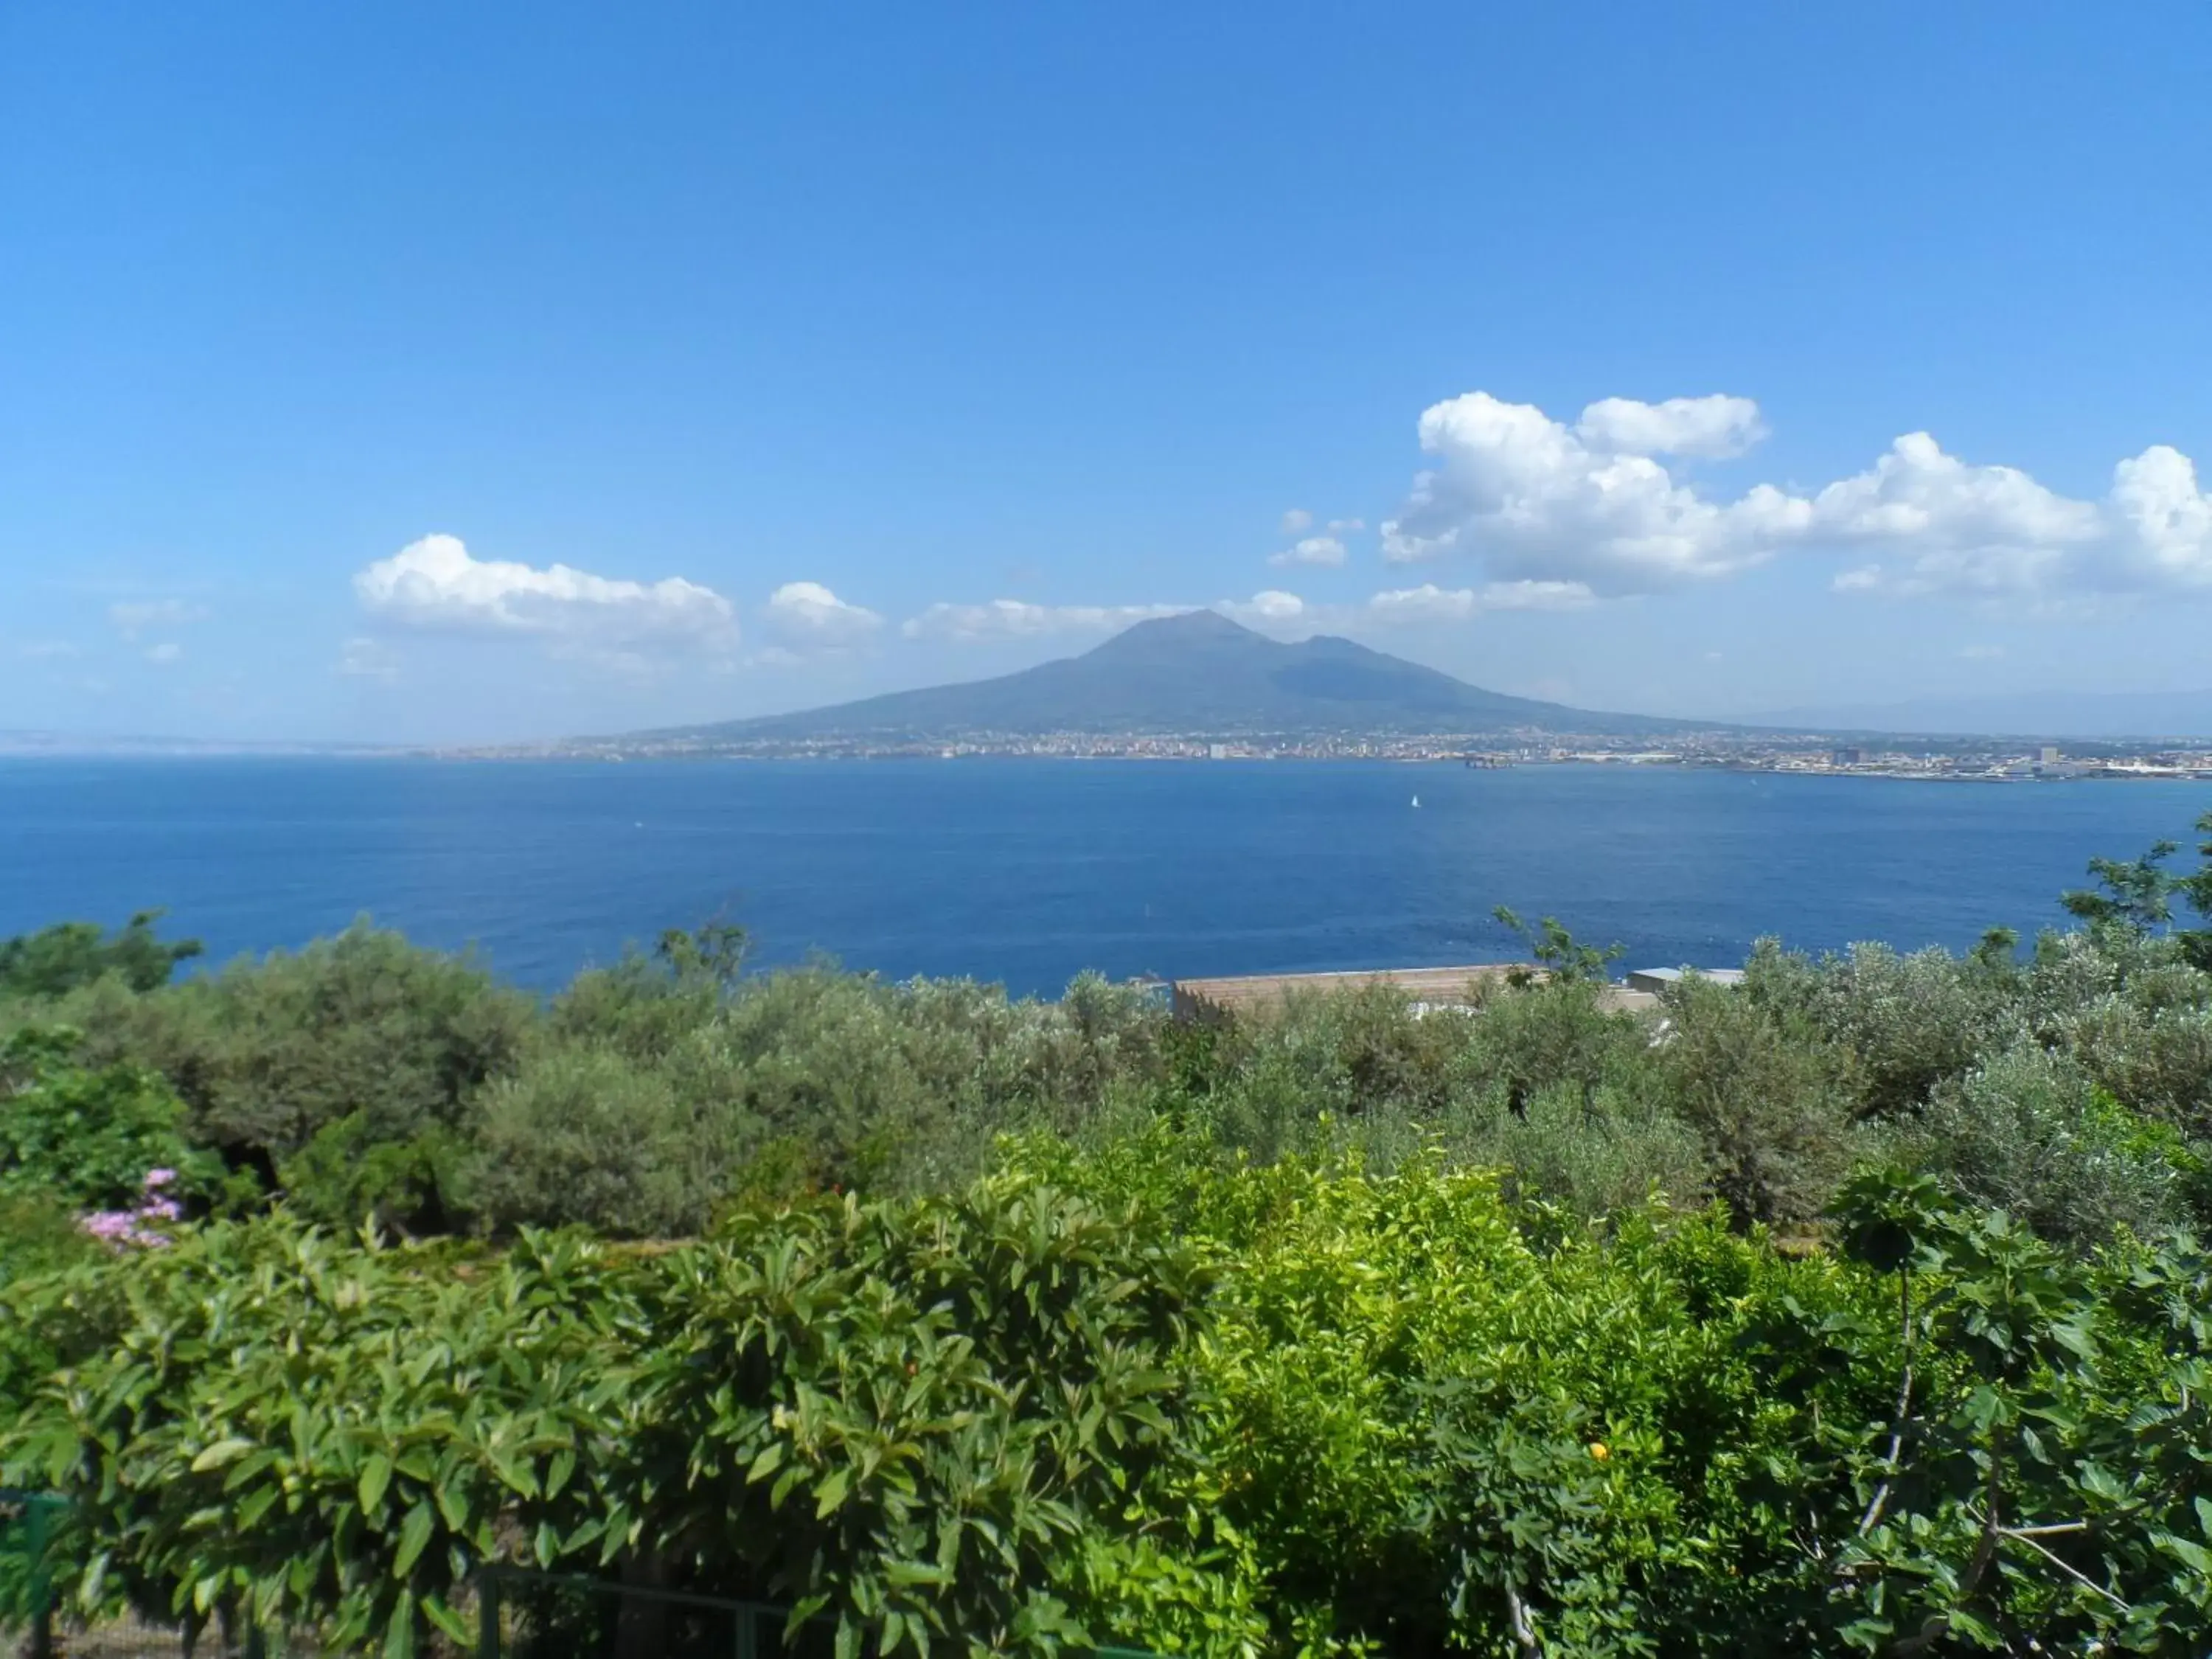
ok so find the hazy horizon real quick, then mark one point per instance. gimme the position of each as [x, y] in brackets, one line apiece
[2045, 712]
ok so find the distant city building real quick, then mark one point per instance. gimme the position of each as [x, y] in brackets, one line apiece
[2047, 755]
[1847, 757]
[1656, 980]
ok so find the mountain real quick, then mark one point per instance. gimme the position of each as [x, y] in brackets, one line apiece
[1198, 672]
[2027, 715]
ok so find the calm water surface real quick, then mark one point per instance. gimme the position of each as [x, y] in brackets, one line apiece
[1027, 872]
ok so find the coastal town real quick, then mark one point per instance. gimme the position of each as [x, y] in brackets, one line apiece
[1982, 759]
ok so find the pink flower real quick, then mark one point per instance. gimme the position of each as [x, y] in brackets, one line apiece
[128, 1226]
[159, 1178]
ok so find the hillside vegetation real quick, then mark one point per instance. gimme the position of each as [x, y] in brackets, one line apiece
[1859, 1308]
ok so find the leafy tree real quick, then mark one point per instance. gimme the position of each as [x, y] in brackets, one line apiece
[2138, 894]
[1563, 955]
[2197, 889]
[73, 954]
[2041, 1487]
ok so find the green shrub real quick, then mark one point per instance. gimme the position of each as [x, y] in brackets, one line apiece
[351, 1176]
[84, 1138]
[579, 1136]
[39, 1236]
[1908, 1023]
[1554, 1033]
[945, 1421]
[1761, 1089]
[2031, 1133]
[1147, 1394]
[933, 1416]
[2157, 1059]
[260, 1424]
[268, 1054]
[1427, 1421]
[362, 1022]
[1591, 1154]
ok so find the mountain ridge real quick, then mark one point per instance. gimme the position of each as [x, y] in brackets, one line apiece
[1197, 671]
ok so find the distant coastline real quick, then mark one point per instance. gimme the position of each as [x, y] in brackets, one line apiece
[1906, 759]
[1198, 686]
[1963, 759]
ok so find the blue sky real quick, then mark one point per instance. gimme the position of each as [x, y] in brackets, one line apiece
[428, 372]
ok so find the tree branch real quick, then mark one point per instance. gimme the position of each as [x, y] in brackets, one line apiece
[1880, 1498]
[2024, 1535]
[1524, 1634]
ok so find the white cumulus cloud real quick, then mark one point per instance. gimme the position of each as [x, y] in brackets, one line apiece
[167, 655]
[1431, 604]
[1604, 503]
[806, 614]
[1537, 500]
[1272, 609]
[1983, 530]
[2168, 517]
[436, 583]
[1296, 521]
[1017, 619]
[1314, 550]
[1715, 426]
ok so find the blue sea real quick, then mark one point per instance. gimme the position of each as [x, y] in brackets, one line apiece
[1026, 872]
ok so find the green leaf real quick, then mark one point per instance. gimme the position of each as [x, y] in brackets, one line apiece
[399, 1634]
[375, 1476]
[222, 1452]
[2193, 1554]
[453, 1504]
[414, 1535]
[455, 1627]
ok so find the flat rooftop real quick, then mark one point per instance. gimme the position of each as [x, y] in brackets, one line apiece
[1437, 986]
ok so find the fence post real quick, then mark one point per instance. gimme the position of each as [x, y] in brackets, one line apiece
[748, 1631]
[488, 1631]
[41, 1580]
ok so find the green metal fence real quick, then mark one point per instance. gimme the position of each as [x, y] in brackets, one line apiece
[521, 1613]
[526, 1614]
[28, 1521]
[32, 1624]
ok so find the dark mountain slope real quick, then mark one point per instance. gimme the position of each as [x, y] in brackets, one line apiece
[1198, 672]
